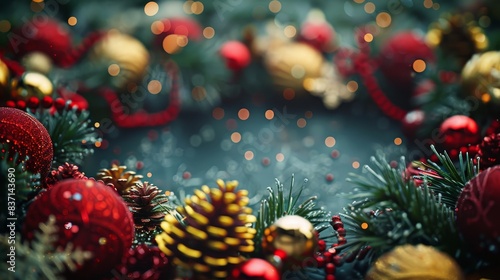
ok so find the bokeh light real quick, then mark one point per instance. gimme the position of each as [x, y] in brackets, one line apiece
[72, 21]
[151, 8]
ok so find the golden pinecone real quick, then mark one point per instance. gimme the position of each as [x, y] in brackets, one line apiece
[216, 230]
[122, 180]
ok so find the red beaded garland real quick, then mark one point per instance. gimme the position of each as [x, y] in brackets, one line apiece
[26, 136]
[89, 215]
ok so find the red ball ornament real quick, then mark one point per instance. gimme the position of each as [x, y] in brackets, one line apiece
[319, 35]
[412, 122]
[398, 55]
[76, 99]
[47, 36]
[458, 131]
[178, 26]
[478, 209]
[255, 269]
[236, 55]
[89, 215]
[26, 136]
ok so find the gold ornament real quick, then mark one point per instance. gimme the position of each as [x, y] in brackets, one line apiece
[216, 231]
[481, 76]
[31, 84]
[125, 57]
[418, 262]
[292, 234]
[457, 35]
[291, 63]
[37, 62]
[121, 179]
[4, 78]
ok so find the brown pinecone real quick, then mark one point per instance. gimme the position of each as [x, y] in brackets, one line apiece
[214, 233]
[65, 171]
[122, 180]
[489, 151]
[147, 204]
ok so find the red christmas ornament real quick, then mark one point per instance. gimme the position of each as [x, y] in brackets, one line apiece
[144, 263]
[319, 35]
[236, 55]
[76, 99]
[478, 209]
[26, 136]
[458, 131]
[255, 269]
[47, 36]
[412, 122]
[89, 215]
[179, 26]
[398, 55]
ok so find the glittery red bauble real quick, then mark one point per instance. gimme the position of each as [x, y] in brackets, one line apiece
[320, 35]
[398, 54]
[89, 215]
[478, 209]
[144, 263]
[178, 26]
[44, 35]
[256, 269]
[26, 136]
[458, 131]
[236, 55]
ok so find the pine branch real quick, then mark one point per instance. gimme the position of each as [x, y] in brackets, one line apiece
[73, 137]
[450, 179]
[15, 180]
[39, 259]
[390, 211]
[278, 205]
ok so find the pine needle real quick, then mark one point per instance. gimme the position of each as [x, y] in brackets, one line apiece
[72, 135]
[278, 205]
[389, 210]
[39, 259]
[450, 178]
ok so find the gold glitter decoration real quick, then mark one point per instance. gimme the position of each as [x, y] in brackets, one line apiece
[481, 76]
[216, 232]
[418, 262]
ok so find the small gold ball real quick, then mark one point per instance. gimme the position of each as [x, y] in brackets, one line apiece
[4, 77]
[126, 58]
[37, 62]
[418, 262]
[32, 84]
[290, 64]
[292, 234]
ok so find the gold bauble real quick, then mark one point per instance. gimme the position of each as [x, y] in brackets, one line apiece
[291, 63]
[37, 62]
[4, 77]
[418, 262]
[125, 57]
[32, 84]
[292, 234]
[481, 76]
